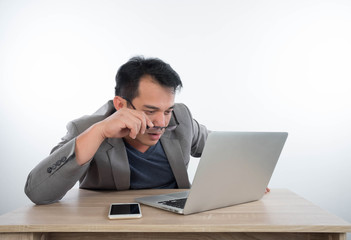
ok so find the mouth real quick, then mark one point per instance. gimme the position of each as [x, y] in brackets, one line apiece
[155, 136]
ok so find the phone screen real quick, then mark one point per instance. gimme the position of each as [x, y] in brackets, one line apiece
[124, 210]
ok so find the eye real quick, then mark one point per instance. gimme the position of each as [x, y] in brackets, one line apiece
[168, 112]
[149, 112]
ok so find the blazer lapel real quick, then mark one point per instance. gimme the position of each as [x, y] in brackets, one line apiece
[174, 154]
[121, 169]
[119, 162]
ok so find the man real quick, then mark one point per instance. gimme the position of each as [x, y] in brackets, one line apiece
[140, 139]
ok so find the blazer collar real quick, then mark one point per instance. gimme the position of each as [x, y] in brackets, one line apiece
[119, 162]
[175, 156]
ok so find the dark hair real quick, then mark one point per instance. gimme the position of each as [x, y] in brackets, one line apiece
[129, 74]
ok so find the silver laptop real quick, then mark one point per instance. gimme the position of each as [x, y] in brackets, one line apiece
[235, 168]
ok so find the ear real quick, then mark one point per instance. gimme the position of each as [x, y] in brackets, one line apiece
[119, 102]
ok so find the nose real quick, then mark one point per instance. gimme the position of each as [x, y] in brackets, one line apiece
[159, 120]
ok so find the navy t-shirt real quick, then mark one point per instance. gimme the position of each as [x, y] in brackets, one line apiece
[150, 169]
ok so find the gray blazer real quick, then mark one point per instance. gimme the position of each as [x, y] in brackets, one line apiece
[109, 169]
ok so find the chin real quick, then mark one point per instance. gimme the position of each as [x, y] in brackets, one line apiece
[149, 140]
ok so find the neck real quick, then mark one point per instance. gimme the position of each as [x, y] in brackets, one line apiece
[136, 144]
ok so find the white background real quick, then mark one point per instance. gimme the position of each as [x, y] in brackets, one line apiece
[245, 65]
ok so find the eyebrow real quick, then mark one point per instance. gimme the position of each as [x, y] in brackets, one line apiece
[156, 108]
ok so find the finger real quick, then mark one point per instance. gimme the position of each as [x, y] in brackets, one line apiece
[134, 125]
[135, 121]
[125, 124]
[149, 123]
[141, 120]
[133, 134]
[144, 121]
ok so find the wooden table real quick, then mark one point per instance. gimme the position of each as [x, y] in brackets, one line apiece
[82, 214]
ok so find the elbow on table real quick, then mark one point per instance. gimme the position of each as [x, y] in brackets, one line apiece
[41, 199]
[41, 196]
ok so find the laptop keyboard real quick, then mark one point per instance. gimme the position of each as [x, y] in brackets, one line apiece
[178, 203]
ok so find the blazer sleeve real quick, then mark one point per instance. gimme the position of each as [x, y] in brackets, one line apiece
[200, 133]
[50, 180]
[196, 132]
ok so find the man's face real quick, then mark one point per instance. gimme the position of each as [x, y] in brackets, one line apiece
[157, 103]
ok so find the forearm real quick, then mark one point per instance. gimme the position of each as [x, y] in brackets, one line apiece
[87, 143]
[50, 180]
[55, 175]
